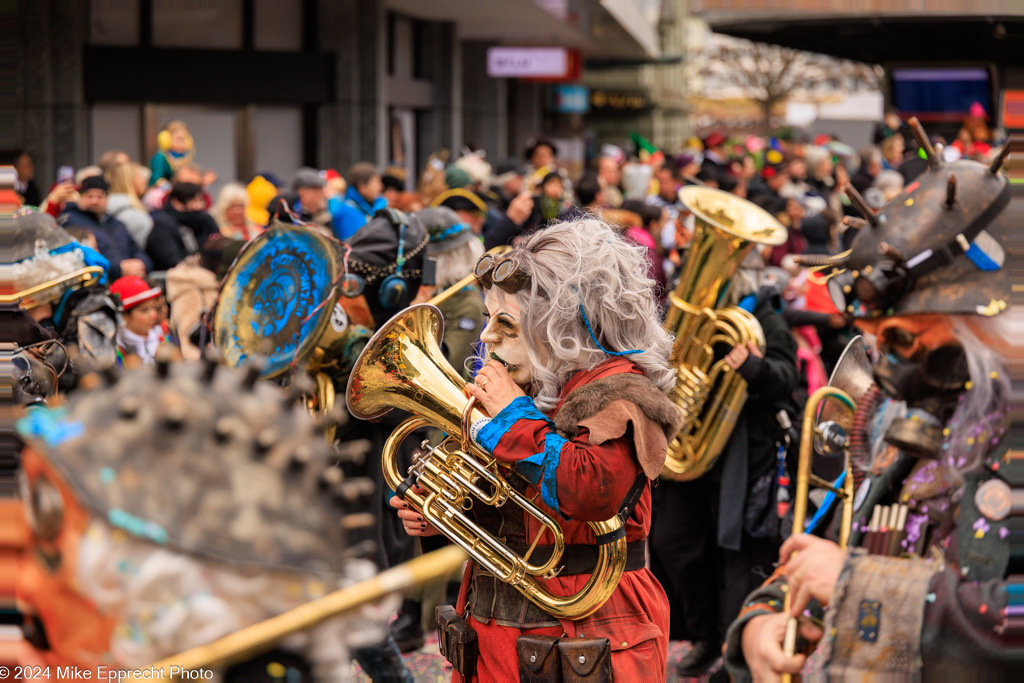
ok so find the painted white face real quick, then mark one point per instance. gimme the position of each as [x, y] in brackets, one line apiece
[503, 338]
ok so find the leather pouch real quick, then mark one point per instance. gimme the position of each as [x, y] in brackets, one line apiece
[586, 659]
[457, 640]
[538, 659]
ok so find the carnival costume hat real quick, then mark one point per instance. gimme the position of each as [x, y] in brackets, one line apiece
[196, 458]
[456, 176]
[133, 291]
[261, 191]
[937, 247]
[46, 262]
[460, 199]
[387, 253]
[445, 228]
[375, 244]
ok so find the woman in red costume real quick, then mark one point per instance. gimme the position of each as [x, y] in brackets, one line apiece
[575, 379]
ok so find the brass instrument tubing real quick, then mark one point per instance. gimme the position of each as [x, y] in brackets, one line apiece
[803, 480]
[452, 513]
[403, 367]
[89, 276]
[441, 297]
[261, 636]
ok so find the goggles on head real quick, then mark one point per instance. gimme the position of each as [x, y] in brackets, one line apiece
[508, 274]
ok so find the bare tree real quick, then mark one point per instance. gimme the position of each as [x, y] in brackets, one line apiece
[770, 74]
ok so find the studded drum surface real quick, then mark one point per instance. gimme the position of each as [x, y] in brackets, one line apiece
[207, 460]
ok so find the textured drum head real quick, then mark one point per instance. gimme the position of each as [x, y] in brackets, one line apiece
[273, 292]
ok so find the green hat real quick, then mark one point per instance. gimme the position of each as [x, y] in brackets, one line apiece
[457, 177]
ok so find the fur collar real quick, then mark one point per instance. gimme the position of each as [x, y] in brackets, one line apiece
[593, 397]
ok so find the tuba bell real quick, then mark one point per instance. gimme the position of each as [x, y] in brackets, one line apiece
[710, 394]
[403, 367]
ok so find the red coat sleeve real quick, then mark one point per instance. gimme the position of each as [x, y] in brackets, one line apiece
[583, 481]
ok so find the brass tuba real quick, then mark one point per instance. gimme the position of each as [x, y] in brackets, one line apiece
[710, 394]
[403, 367]
[827, 426]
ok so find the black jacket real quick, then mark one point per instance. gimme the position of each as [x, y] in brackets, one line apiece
[112, 237]
[765, 197]
[374, 252]
[862, 180]
[177, 234]
[770, 382]
[744, 471]
[498, 227]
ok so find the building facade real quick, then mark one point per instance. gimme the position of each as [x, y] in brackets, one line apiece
[270, 85]
[650, 97]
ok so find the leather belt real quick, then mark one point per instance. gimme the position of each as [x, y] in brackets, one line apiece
[582, 559]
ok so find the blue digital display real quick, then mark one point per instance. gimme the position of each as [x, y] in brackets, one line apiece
[940, 94]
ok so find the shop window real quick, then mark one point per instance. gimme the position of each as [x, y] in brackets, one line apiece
[278, 25]
[114, 22]
[204, 24]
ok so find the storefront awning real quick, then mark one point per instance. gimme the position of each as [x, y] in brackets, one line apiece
[876, 36]
[528, 22]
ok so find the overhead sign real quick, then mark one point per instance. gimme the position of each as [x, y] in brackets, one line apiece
[527, 62]
[570, 99]
[618, 100]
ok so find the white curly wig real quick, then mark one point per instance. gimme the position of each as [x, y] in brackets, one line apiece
[584, 266]
[457, 263]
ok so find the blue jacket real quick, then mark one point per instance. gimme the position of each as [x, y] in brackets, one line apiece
[112, 237]
[352, 212]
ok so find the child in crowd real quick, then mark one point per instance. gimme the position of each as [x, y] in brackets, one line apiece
[176, 150]
[143, 330]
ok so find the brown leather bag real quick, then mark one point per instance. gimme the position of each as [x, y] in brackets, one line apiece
[586, 659]
[538, 659]
[457, 640]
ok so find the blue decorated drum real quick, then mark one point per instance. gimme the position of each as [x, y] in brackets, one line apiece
[278, 297]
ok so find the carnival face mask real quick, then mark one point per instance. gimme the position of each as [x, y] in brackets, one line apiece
[503, 339]
[923, 364]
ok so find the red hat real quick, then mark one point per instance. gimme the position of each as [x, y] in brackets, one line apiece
[132, 291]
[714, 139]
[331, 174]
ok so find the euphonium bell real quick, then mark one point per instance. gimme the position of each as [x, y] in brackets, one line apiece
[403, 367]
[709, 392]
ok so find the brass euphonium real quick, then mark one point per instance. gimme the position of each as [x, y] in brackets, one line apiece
[827, 427]
[403, 367]
[709, 392]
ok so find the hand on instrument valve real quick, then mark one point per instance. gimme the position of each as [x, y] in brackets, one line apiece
[762, 646]
[494, 388]
[738, 356]
[813, 566]
[415, 524]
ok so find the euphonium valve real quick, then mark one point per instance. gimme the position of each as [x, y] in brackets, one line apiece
[710, 394]
[403, 367]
